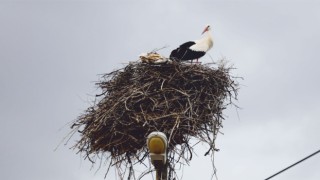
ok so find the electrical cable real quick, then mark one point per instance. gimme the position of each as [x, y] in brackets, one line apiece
[293, 165]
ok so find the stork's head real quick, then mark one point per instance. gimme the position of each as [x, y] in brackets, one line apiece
[206, 29]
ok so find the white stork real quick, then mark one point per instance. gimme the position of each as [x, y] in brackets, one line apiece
[193, 49]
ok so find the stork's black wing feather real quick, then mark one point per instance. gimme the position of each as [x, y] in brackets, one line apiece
[186, 45]
[183, 52]
[176, 53]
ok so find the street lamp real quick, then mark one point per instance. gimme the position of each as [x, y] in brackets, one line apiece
[157, 143]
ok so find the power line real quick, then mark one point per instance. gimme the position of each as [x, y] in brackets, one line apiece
[293, 165]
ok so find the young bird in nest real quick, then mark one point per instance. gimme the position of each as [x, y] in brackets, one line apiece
[153, 58]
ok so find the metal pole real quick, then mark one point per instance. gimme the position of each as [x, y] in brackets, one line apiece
[158, 175]
[164, 173]
[161, 171]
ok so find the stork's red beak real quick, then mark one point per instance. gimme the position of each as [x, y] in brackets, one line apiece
[205, 30]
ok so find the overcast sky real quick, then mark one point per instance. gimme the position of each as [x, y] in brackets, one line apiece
[51, 53]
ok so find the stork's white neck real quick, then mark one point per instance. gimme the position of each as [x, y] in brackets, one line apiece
[207, 39]
[204, 44]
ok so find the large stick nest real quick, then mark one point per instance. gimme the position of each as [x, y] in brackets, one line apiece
[180, 100]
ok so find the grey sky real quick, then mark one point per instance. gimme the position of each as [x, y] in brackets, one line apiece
[51, 53]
